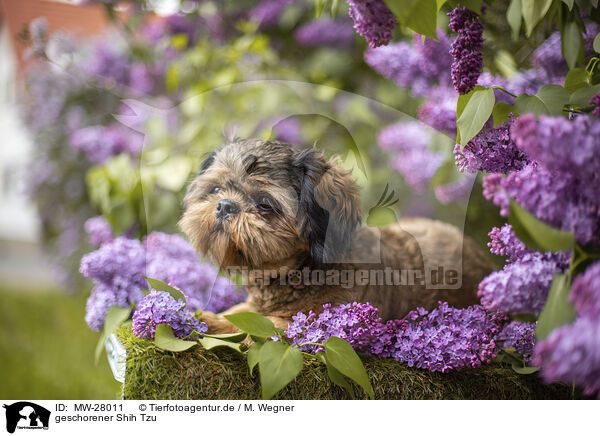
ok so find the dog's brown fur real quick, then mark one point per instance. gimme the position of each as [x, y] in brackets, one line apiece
[314, 223]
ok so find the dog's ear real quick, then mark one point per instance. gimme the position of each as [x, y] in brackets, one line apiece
[208, 161]
[329, 206]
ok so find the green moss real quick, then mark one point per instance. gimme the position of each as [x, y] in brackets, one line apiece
[223, 374]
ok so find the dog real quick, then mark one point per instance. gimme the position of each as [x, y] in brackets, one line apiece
[269, 206]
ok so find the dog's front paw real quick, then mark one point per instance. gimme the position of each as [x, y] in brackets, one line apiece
[217, 323]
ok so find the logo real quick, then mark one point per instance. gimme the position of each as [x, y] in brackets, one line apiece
[26, 415]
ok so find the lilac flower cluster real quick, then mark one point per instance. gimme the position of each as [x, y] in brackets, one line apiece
[585, 292]
[558, 186]
[372, 20]
[522, 286]
[418, 66]
[325, 32]
[268, 12]
[571, 353]
[466, 49]
[442, 339]
[409, 141]
[458, 191]
[595, 101]
[492, 150]
[439, 109]
[100, 143]
[98, 230]
[447, 338]
[357, 323]
[161, 308]
[117, 269]
[504, 242]
[548, 56]
[519, 336]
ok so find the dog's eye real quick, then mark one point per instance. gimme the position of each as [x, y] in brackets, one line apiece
[215, 190]
[264, 206]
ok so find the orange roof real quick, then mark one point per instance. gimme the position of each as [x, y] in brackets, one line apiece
[61, 15]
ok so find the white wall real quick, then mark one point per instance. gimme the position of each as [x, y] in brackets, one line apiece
[18, 220]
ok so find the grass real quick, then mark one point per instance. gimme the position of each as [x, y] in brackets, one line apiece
[47, 349]
[223, 374]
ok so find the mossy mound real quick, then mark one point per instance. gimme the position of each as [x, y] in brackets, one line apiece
[223, 374]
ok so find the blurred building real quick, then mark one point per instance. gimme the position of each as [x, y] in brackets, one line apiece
[20, 254]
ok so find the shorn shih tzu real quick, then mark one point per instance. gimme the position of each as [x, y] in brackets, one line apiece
[289, 221]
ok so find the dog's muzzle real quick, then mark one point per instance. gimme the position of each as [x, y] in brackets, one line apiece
[226, 208]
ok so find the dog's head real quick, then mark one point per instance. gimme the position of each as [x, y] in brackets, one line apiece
[262, 203]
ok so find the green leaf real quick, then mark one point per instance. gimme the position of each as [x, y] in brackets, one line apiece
[172, 78]
[569, 3]
[166, 340]
[278, 364]
[533, 11]
[230, 337]
[475, 114]
[210, 343]
[525, 370]
[536, 234]
[549, 100]
[597, 43]
[514, 17]
[338, 378]
[571, 43]
[577, 78]
[418, 15]
[115, 315]
[501, 112]
[558, 310]
[252, 323]
[446, 174]
[342, 357]
[253, 355]
[162, 286]
[582, 96]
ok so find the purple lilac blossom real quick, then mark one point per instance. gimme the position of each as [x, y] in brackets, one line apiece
[100, 300]
[504, 242]
[520, 288]
[98, 230]
[595, 101]
[491, 150]
[100, 143]
[435, 60]
[458, 191]
[440, 340]
[107, 63]
[571, 354]
[289, 130]
[519, 336]
[161, 308]
[325, 32]
[554, 198]
[466, 49]
[372, 20]
[446, 338]
[585, 292]
[357, 323]
[119, 267]
[268, 12]
[409, 143]
[398, 62]
[439, 109]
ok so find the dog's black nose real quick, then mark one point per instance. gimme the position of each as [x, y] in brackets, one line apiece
[227, 208]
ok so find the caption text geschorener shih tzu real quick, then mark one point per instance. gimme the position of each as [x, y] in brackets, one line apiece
[346, 278]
